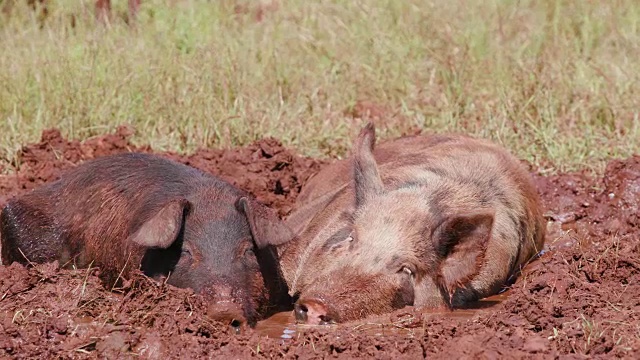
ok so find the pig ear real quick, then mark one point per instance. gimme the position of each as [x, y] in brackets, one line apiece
[365, 170]
[162, 228]
[461, 242]
[266, 226]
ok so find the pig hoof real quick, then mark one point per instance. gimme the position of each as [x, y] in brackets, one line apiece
[313, 312]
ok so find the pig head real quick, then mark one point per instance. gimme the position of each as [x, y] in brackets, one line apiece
[172, 221]
[428, 221]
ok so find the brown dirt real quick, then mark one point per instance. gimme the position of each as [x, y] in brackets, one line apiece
[265, 168]
[581, 299]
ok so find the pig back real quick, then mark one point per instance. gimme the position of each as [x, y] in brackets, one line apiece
[392, 152]
[86, 217]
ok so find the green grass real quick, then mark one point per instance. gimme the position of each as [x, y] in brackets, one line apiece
[557, 82]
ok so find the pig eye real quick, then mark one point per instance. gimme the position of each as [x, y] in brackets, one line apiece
[247, 248]
[407, 270]
[249, 252]
[346, 240]
[351, 237]
[186, 255]
[339, 239]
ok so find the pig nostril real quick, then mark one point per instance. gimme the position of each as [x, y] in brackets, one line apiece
[236, 323]
[227, 312]
[325, 320]
[301, 312]
[236, 326]
[313, 312]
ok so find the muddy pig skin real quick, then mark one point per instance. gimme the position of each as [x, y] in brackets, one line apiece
[429, 221]
[137, 210]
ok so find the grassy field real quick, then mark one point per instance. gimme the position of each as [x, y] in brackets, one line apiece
[558, 82]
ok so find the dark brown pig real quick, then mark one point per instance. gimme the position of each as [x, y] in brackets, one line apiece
[134, 210]
[429, 221]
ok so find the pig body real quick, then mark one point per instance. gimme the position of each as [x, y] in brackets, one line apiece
[429, 221]
[142, 211]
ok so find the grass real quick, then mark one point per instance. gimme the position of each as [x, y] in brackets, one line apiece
[554, 81]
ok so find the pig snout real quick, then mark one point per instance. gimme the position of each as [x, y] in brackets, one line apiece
[225, 307]
[227, 312]
[313, 312]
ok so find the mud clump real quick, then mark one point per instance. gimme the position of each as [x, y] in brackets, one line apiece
[273, 174]
[580, 298]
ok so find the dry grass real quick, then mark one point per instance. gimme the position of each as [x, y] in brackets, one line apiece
[555, 81]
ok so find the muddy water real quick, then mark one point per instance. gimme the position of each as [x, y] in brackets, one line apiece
[282, 325]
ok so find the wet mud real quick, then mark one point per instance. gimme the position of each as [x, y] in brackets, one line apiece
[580, 299]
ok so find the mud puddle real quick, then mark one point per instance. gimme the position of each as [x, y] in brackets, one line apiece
[283, 325]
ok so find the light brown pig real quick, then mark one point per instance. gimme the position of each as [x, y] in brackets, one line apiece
[429, 221]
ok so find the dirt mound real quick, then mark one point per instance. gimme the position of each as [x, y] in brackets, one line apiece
[581, 298]
[46, 312]
[43, 162]
[273, 174]
[265, 168]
